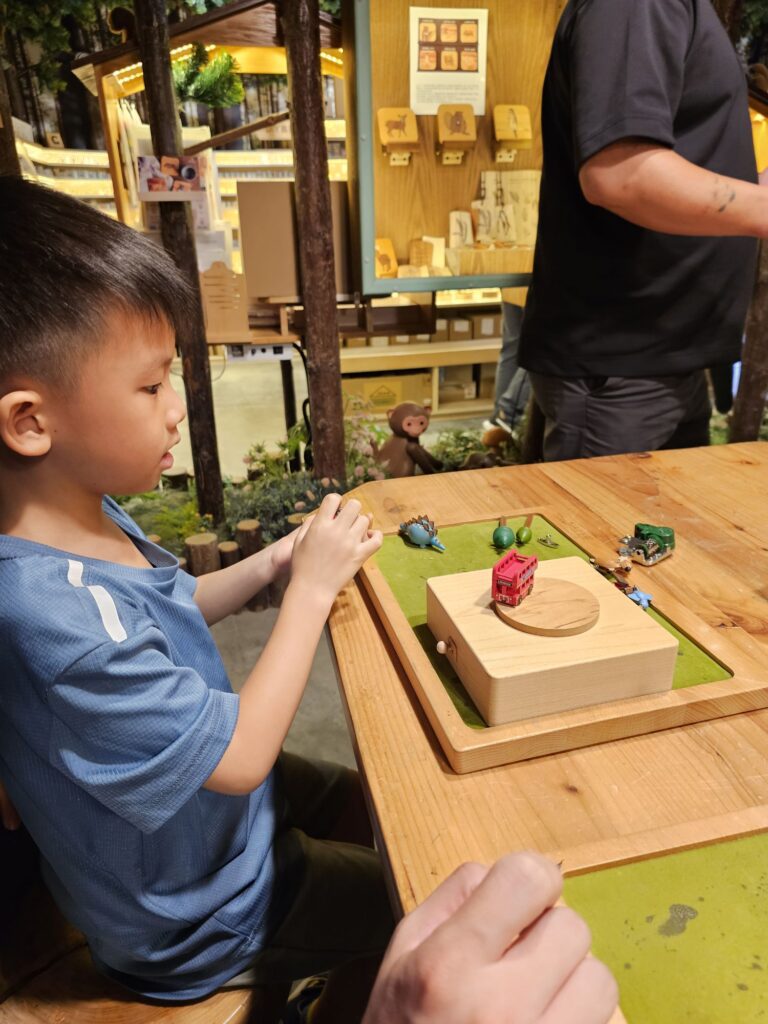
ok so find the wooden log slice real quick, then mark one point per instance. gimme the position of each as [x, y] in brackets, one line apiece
[553, 608]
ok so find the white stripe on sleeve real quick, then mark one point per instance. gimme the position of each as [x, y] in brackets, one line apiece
[104, 602]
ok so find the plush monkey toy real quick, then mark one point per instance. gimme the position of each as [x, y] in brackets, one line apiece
[402, 453]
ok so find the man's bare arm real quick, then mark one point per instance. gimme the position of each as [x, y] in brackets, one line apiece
[654, 187]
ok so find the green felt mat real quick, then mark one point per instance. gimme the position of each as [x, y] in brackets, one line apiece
[686, 935]
[407, 568]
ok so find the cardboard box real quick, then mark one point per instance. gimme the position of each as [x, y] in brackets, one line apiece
[399, 339]
[456, 384]
[420, 339]
[383, 392]
[441, 329]
[487, 325]
[378, 341]
[267, 211]
[454, 391]
[460, 329]
[359, 342]
[487, 387]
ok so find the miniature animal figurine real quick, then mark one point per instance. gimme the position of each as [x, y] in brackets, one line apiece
[421, 532]
[640, 597]
[402, 453]
[512, 579]
[649, 545]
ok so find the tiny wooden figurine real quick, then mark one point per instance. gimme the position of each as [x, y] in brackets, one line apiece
[402, 453]
[649, 545]
[421, 532]
[503, 535]
[512, 579]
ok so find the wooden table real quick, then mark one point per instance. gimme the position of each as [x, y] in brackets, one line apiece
[603, 804]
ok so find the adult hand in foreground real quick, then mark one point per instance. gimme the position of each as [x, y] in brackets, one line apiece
[489, 945]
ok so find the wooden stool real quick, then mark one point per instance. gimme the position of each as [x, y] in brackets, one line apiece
[46, 973]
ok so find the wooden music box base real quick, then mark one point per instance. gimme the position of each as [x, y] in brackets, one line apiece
[513, 675]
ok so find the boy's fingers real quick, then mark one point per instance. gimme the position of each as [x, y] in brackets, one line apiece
[363, 525]
[371, 545]
[329, 506]
[589, 996]
[349, 512]
[515, 892]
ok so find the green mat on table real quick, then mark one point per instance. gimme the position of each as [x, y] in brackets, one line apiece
[407, 568]
[686, 935]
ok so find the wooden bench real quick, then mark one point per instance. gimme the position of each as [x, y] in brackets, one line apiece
[46, 973]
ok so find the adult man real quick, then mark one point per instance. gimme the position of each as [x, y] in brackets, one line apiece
[643, 269]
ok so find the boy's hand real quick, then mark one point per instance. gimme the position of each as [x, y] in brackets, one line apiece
[281, 552]
[489, 945]
[8, 813]
[332, 545]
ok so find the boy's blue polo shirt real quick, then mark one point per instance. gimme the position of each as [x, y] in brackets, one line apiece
[115, 708]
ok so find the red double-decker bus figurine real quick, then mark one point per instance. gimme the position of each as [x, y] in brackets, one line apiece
[513, 578]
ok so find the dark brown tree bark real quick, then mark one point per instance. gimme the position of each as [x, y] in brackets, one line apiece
[178, 239]
[9, 160]
[730, 12]
[301, 27]
[749, 407]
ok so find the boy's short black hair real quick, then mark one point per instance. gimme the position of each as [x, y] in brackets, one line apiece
[64, 268]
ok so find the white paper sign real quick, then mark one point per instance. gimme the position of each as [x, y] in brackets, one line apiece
[449, 50]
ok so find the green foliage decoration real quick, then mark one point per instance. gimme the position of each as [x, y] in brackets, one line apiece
[363, 436]
[171, 514]
[202, 80]
[40, 25]
[453, 447]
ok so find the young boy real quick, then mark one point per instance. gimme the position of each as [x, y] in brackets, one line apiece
[172, 831]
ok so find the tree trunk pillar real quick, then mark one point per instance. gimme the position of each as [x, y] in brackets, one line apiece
[301, 28]
[9, 159]
[749, 406]
[179, 240]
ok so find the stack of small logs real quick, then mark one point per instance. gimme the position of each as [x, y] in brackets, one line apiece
[204, 552]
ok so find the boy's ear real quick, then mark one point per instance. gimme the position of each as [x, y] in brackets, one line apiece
[23, 423]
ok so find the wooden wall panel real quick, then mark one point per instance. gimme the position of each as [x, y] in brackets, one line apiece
[416, 201]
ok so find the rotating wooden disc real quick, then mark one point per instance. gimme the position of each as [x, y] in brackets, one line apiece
[553, 608]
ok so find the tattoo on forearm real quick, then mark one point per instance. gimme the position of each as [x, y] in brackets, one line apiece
[723, 195]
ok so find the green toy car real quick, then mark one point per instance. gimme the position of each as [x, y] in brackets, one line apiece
[649, 545]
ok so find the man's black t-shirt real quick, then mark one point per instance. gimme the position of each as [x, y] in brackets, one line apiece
[609, 298]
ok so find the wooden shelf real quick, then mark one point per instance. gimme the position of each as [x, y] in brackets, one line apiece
[460, 410]
[420, 357]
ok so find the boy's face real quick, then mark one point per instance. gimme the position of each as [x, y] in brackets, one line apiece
[114, 434]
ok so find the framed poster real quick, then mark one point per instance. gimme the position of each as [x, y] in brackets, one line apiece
[448, 57]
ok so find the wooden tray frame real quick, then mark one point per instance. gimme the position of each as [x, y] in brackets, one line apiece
[470, 750]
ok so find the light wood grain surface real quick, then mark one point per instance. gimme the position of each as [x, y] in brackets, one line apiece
[513, 675]
[602, 804]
